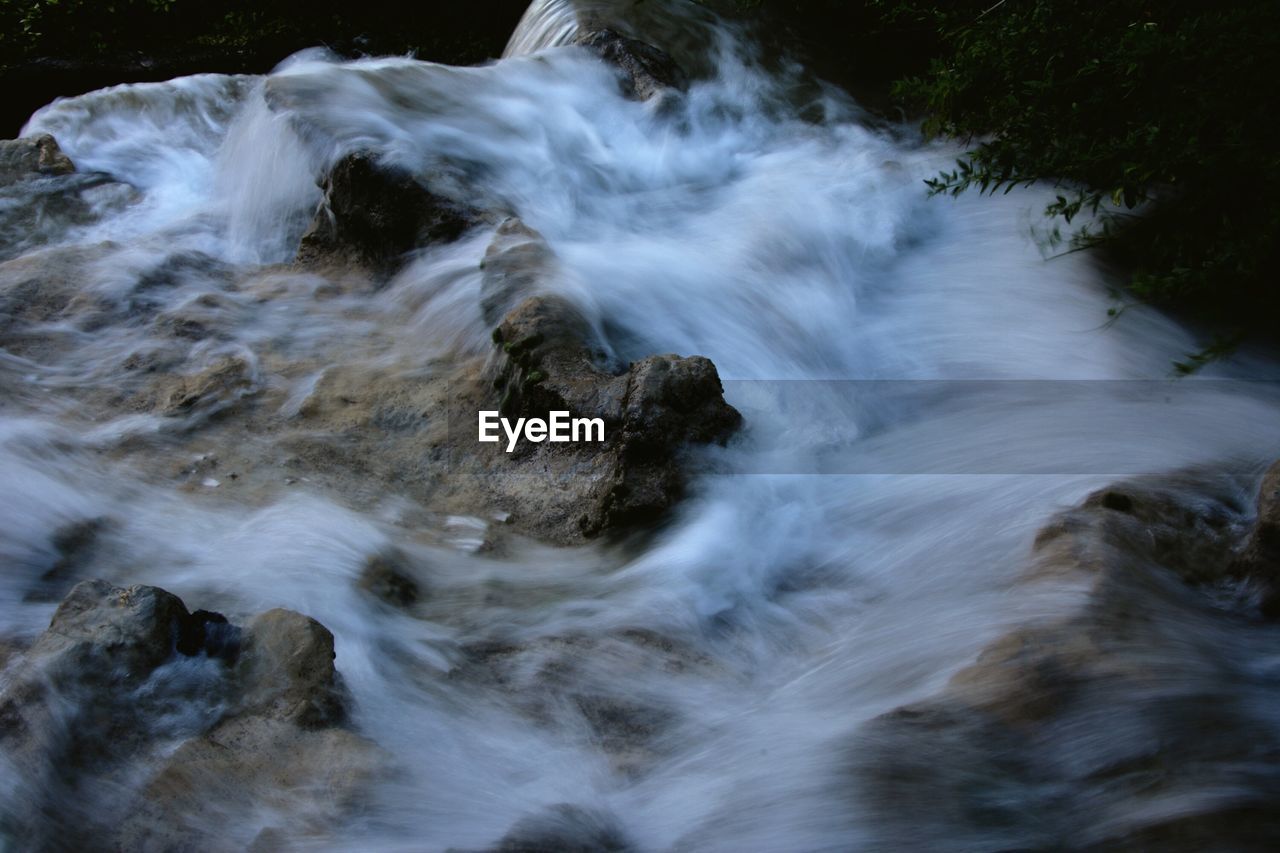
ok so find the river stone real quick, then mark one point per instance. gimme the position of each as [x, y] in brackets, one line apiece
[32, 157]
[1127, 723]
[245, 730]
[130, 629]
[388, 577]
[515, 263]
[286, 670]
[79, 705]
[373, 214]
[646, 70]
[213, 390]
[565, 828]
[546, 359]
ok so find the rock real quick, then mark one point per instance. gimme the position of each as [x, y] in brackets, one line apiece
[73, 546]
[387, 577]
[139, 725]
[1127, 723]
[373, 215]
[565, 828]
[99, 630]
[78, 702]
[286, 670]
[514, 265]
[32, 157]
[35, 213]
[304, 781]
[549, 360]
[218, 387]
[1260, 557]
[278, 751]
[595, 686]
[646, 70]
[42, 286]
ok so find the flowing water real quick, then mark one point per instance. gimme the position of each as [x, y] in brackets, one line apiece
[797, 593]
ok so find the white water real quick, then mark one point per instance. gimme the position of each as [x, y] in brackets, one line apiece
[723, 226]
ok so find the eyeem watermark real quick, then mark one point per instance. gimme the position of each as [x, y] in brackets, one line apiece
[559, 427]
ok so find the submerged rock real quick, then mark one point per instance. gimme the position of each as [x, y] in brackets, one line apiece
[387, 577]
[565, 828]
[1134, 722]
[646, 70]
[373, 215]
[72, 548]
[608, 689]
[37, 213]
[514, 265]
[213, 390]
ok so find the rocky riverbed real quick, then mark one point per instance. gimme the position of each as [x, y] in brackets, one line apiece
[889, 545]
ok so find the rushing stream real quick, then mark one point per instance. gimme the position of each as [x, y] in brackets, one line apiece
[801, 590]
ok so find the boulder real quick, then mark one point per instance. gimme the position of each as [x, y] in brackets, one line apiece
[546, 359]
[32, 157]
[176, 722]
[279, 755]
[1130, 722]
[372, 215]
[646, 70]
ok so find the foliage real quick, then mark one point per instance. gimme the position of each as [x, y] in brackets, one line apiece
[1129, 107]
[1154, 120]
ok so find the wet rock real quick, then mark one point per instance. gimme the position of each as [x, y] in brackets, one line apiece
[286, 670]
[548, 359]
[42, 196]
[373, 215]
[1127, 723]
[126, 630]
[42, 286]
[646, 70]
[73, 546]
[217, 388]
[73, 698]
[151, 727]
[32, 157]
[624, 727]
[279, 752]
[305, 782]
[514, 265]
[565, 828]
[387, 577]
[573, 680]
[1260, 557]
